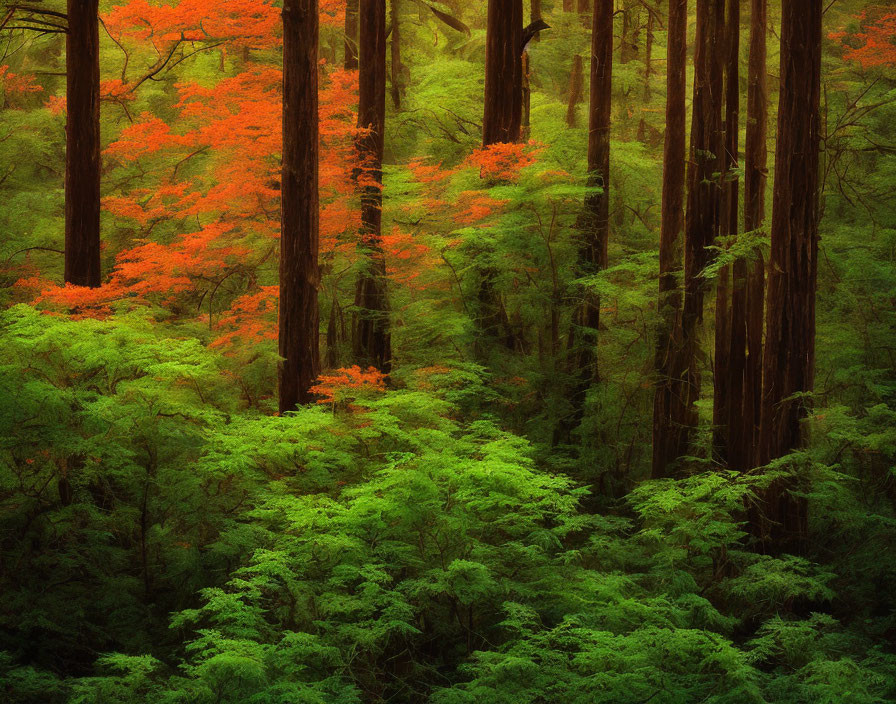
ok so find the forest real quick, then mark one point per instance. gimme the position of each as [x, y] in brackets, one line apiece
[448, 351]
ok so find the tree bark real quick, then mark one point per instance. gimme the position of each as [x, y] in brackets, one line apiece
[595, 220]
[704, 197]
[502, 116]
[299, 272]
[648, 70]
[628, 43]
[755, 176]
[525, 126]
[371, 340]
[351, 35]
[789, 356]
[535, 14]
[730, 333]
[576, 86]
[395, 47]
[670, 395]
[584, 9]
[82, 162]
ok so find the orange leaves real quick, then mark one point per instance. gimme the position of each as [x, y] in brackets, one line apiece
[406, 257]
[116, 90]
[876, 44]
[502, 162]
[16, 86]
[474, 207]
[248, 22]
[156, 268]
[251, 319]
[426, 173]
[347, 384]
[77, 301]
[56, 104]
[142, 138]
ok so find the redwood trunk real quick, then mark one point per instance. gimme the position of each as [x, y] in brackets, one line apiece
[299, 273]
[576, 86]
[82, 156]
[503, 72]
[595, 220]
[648, 70]
[371, 340]
[535, 14]
[525, 127]
[502, 122]
[395, 47]
[670, 396]
[755, 177]
[703, 200]
[789, 358]
[730, 342]
[351, 35]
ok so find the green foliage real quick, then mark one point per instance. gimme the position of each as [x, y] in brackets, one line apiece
[165, 538]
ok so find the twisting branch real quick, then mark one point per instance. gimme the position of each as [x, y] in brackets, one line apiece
[33, 23]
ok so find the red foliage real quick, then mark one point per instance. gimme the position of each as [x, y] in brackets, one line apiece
[15, 86]
[875, 44]
[503, 161]
[345, 384]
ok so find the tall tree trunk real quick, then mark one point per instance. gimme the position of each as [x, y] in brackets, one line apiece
[525, 126]
[755, 178]
[628, 43]
[371, 340]
[576, 86]
[535, 14]
[395, 46]
[569, 5]
[730, 299]
[299, 272]
[789, 358]
[648, 70]
[704, 197]
[82, 155]
[502, 122]
[503, 72]
[351, 35]
[595, 220]
[584, 9]
[670, 395]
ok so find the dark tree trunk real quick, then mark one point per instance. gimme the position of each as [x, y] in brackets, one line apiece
[395, 46]
[569, 5]
[535, 14]
[628, 43]
[351, 35]
[576, 86]
[789, 357]
[595, 220]
[648, 70]
[670, 396]
[730, 331]
[299, 273]
[755, 176]
[704, 197]
[371, 340]
[502, 122]
[503, 72]
[82, 156]
[527, 100]
[584, 10]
